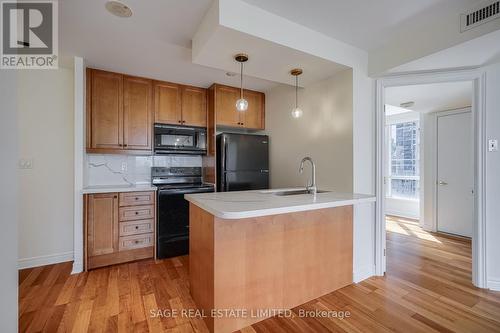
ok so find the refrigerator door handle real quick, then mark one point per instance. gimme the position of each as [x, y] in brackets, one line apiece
[223, 163]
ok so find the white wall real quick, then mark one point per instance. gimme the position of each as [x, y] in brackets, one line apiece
[324, 133]
[8, 201]
[46, 136]
[493, 177]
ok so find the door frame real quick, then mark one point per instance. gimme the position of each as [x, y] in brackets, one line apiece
[478, 79]
[435, 165]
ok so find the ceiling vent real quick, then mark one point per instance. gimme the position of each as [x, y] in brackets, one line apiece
[479, 16]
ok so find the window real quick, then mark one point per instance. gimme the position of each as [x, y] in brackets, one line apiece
[403, 166]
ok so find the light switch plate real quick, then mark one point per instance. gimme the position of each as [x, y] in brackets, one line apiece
[124, 166]
[493, 145]
[26, 163]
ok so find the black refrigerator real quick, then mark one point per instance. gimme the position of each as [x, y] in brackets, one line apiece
[242, 162]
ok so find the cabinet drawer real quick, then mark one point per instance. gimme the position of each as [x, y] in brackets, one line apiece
[136, 227]
[137, 213]
[136, 198]
[135, 242]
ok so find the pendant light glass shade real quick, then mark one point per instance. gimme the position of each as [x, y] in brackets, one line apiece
[241, 103]
[296, 111]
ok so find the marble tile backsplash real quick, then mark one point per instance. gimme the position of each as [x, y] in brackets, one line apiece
[107, 169]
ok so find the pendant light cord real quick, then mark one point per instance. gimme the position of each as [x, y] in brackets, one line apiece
[296, 90]
[241, 79]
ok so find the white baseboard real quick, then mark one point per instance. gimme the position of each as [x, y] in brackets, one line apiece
[44, 260]
[363, 273]
[77, 266]
[493, 285]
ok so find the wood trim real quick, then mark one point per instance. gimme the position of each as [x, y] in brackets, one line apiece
[88, 107]
[85, 228]
[120, 257]
[118, 151]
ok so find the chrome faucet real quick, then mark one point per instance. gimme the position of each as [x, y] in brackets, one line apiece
[311, 186]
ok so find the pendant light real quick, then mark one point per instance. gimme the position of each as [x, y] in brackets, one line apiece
[296, 112]
[241, 104]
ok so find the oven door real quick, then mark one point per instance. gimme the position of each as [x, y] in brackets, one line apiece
[172, 229]
[179, 140]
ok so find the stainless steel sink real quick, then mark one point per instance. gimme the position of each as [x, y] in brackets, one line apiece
[297, 192]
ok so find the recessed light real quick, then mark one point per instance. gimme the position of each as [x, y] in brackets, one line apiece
[407, 105]
[118, 9]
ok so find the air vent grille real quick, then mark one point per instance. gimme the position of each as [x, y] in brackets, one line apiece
[480, 16]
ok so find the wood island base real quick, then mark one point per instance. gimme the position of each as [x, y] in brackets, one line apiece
[241, 268]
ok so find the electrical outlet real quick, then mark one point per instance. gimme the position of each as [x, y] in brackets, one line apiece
[124, 166]
[493, 145]
[26, 163]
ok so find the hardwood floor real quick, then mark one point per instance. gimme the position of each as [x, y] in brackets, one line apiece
[427, 288]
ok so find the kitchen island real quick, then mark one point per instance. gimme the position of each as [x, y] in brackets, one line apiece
[255, 253]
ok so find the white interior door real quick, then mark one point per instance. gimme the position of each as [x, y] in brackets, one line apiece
[455, 174]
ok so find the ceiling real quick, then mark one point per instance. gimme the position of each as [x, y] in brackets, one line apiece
[155, 42]
[364, 24]
[432, 97]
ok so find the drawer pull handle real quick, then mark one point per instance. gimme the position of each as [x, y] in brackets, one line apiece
[136, 213]
[137, 242]
[136, 227]
[136, 198]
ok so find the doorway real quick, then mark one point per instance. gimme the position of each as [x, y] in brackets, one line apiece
[411, 176]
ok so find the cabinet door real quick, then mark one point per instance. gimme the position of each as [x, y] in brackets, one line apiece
[253, 117]
[102, 224]
[167, 103]
[194, 106]
[225, 106]
[137, 113]
[106, 111]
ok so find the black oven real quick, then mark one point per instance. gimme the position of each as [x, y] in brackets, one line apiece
[170, 139]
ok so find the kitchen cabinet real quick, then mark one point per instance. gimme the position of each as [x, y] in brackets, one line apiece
[119, 113]
[137, 113]
[105, 110]
[168, 103]
[225, 108]
[177, 104]
[194, 106]
[102, 224]
[119, 227]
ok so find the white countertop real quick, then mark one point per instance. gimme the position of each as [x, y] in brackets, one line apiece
[244, 204]
[118, 188]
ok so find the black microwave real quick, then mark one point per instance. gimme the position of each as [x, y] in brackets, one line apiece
[170, 139]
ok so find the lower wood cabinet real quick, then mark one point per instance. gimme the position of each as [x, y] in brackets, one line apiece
[120, 227]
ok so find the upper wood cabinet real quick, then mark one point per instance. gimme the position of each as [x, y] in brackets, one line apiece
[119, 113]
[225, 107]
[180, 105]
[105, 110]
[102, 224]
[194, 106]
[253, 118]
[137, 113]
[168, 103]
